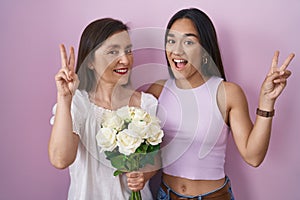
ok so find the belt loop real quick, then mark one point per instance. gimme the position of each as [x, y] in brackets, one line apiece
[200, 197]
[168, 189]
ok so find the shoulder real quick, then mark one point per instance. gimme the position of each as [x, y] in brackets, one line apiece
[156, 88]
[234, 94]
[80, 100]
[232, 90]
[148, 98]
[135, 99]
[231, 87]
[140, 98]
[80, 95]
[145, 101]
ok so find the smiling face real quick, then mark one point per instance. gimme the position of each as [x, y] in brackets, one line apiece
[183, 49]
[113, 59]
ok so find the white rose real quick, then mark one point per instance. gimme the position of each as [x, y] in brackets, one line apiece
[154, 134]
[106, 139]
[155, 120]
[127, 143]
[138, 129]
[124, 113]
[141, 115]
[112, 120]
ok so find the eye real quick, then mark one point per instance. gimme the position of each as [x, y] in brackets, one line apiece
[170, 41]
[189, 42]
[113, 52]
[128, 51]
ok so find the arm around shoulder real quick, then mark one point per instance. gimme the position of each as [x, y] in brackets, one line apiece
[156, 88]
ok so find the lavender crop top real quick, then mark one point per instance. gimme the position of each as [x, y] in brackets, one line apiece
[196, 135]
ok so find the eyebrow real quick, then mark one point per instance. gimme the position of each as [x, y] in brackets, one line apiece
[128, 46]
[118, 46]
[185, 35]
[191, 34]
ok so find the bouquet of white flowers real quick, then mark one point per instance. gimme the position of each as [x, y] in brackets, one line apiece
[130, 138]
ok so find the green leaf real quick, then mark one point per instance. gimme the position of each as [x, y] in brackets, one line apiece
[147, 159]
[119, 162]
[153, 148]
[142, 148]
[111, 154]
[117, 172]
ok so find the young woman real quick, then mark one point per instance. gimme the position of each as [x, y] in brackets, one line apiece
[99, 83]
[199, 108]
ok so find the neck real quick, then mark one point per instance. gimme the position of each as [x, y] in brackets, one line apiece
[191, 82]
[107, 95]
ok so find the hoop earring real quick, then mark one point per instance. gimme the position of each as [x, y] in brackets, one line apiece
[204, 60]
[91, 67]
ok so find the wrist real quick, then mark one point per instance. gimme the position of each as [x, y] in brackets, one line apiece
[266, 104]
[64, 99]
[266, 101]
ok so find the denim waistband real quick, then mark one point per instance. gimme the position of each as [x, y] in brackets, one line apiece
[197, 196]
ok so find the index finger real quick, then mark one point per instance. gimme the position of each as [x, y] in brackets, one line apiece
[72, 60]
[63, 56]
[287, 61]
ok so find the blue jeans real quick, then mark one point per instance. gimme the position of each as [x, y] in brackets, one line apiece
[162, 195]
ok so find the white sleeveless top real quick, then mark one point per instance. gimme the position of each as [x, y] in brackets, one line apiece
[91, 173]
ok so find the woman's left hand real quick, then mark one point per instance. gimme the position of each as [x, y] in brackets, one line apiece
[136, 180]
[276, 79]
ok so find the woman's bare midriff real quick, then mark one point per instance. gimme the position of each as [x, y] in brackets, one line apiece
[191, 187]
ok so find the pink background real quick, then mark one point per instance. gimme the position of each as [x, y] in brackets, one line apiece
[249, 33]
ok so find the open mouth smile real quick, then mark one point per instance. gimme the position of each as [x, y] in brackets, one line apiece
[180, 63]
[121, 71]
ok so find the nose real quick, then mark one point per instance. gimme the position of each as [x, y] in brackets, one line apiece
[124, 59]
[177, 49]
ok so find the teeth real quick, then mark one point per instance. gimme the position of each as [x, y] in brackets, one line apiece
[179, 61]
[121, 70]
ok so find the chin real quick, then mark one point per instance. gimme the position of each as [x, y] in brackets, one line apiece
[178, 74]
[124, 81]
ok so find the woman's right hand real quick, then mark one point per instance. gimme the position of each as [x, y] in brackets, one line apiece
[66, 79]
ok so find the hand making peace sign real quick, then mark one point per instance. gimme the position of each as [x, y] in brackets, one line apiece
[277, 77]
[66, 79]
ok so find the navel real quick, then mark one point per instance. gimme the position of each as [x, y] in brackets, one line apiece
[183, 189]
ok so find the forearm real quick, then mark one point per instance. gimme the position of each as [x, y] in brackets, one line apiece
[63, 142]
[259, 138]
[137, 180]
[151, 170]
[149, 175]
[252, 139]
[258, 141]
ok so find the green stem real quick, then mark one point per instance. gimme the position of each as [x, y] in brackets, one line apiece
[135, 195]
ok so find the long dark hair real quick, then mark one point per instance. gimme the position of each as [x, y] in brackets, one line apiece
[91, 39]
[208, 37]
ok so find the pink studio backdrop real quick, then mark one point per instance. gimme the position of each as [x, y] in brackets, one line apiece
[249, 33]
